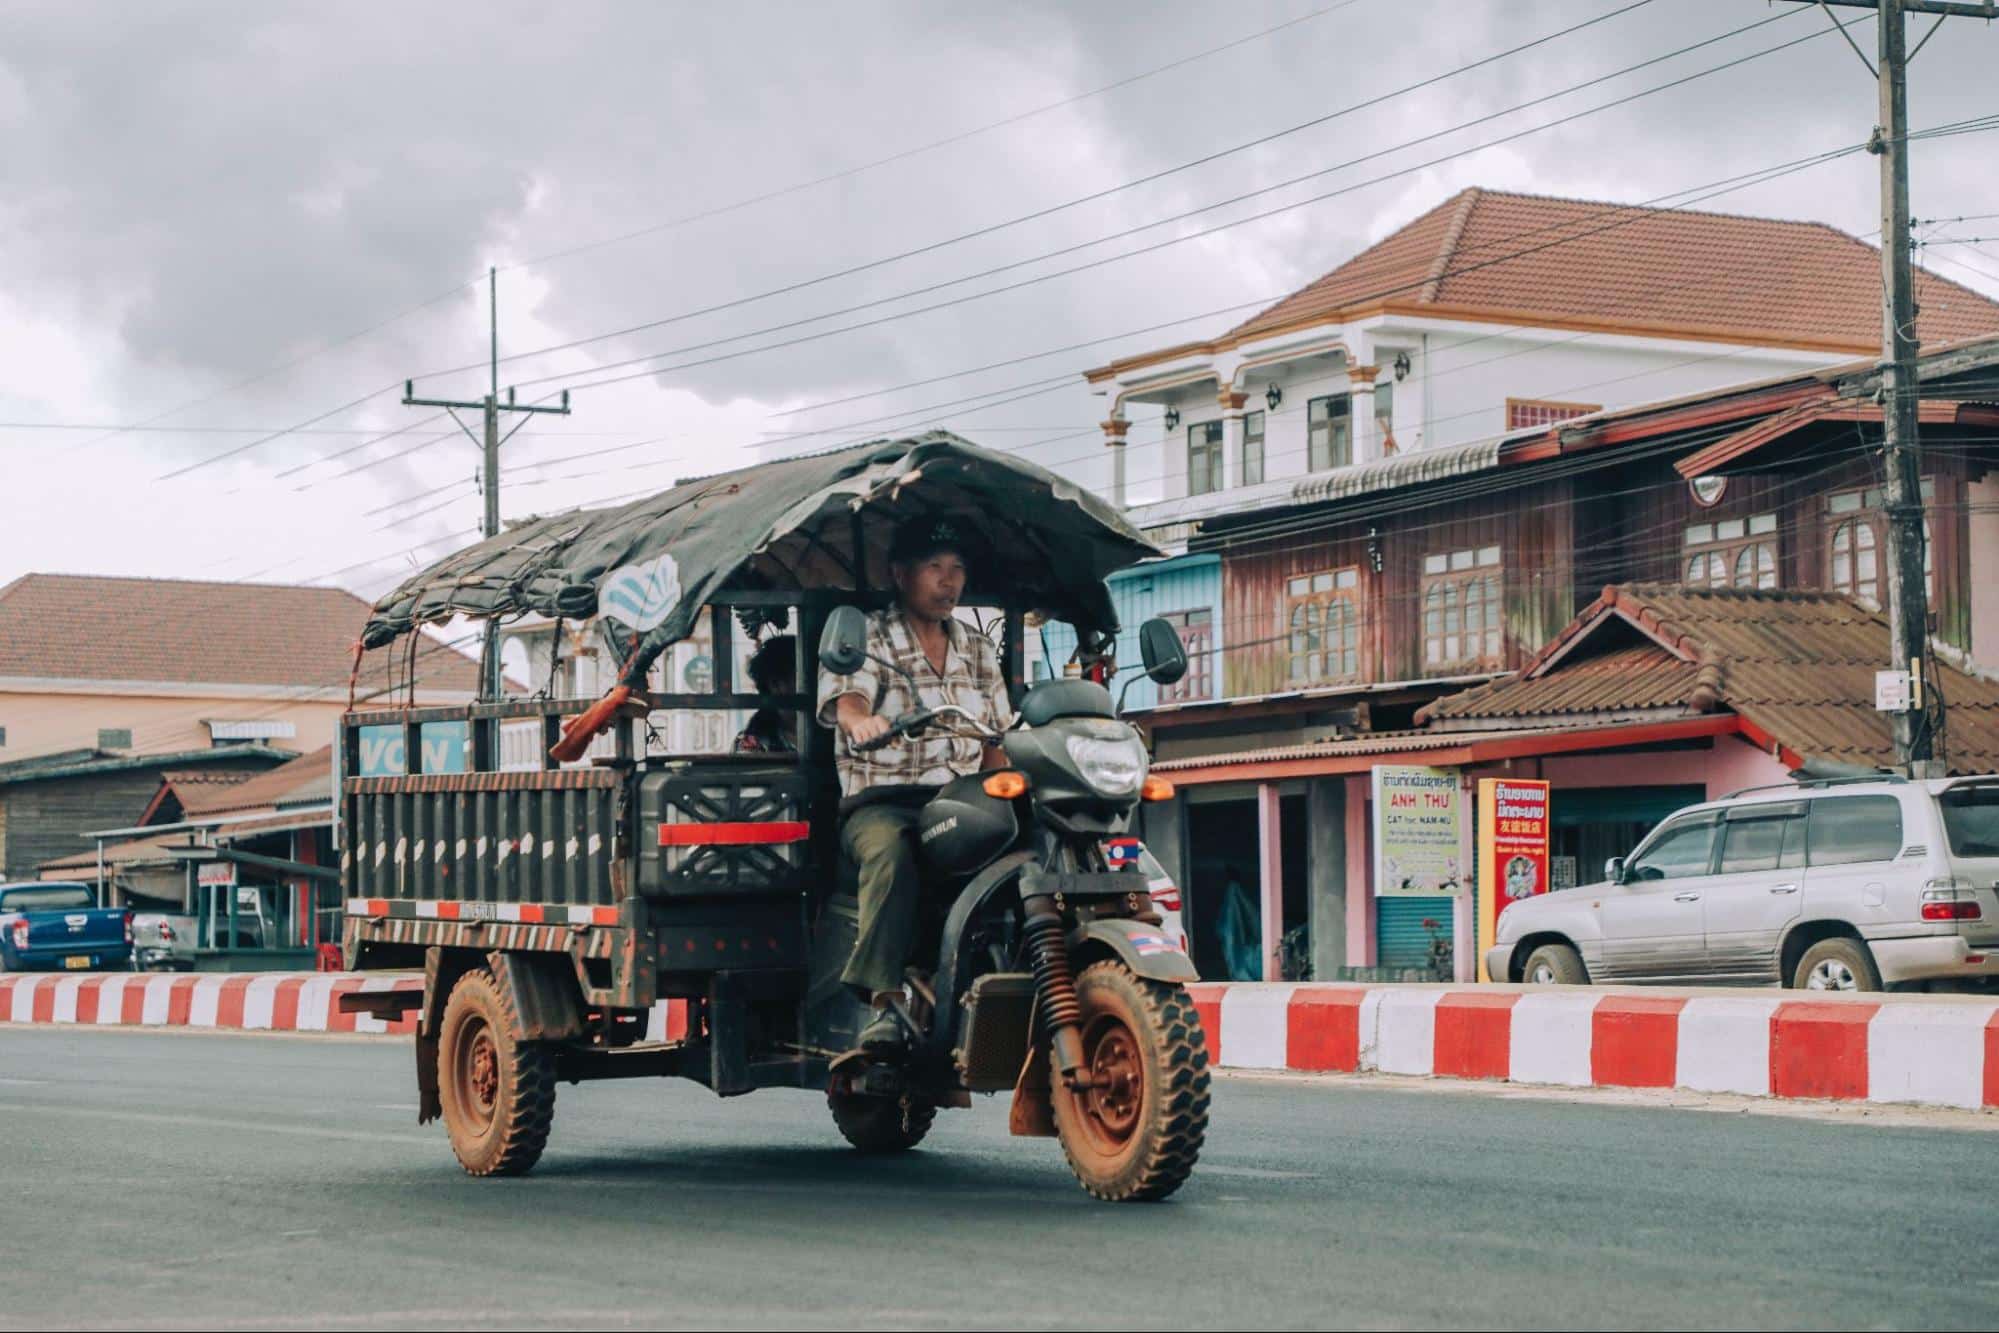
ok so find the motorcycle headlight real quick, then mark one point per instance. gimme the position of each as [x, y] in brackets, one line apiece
[1114, 768]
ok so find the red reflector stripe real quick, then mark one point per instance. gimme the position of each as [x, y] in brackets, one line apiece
[604, 916]
[378, 907]
[531, 914]
[733, 835]
[447, 911]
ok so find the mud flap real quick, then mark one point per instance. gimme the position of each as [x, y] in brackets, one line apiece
[436, 985]
[542, 988]
[429, 1104]
[1033, 1113]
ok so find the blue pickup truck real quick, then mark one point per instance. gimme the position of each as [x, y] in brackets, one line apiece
[57, 927]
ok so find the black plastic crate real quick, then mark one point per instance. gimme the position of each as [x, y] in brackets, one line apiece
[724, 829]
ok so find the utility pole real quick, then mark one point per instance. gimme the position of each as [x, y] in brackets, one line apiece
[1901, 491]
[489, 442]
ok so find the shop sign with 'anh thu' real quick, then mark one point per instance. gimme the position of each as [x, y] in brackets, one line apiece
[1416, 831]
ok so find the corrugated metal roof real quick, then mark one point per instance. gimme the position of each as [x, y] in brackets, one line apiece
[1410, 469]
[1643, 676]
[1797, 666]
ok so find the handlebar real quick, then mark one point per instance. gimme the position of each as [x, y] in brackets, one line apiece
[911, 723]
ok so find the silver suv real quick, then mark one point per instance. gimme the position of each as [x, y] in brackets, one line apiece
[1845, 885]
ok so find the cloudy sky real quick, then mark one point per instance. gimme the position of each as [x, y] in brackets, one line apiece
[228, 232]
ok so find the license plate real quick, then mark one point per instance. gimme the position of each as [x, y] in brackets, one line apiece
[76, 962]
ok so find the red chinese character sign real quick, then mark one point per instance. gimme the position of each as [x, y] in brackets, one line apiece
[1512, 850]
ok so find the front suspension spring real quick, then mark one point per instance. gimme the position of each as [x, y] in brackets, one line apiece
[1054, 983]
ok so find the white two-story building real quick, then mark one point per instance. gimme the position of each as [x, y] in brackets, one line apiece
[1492, 312]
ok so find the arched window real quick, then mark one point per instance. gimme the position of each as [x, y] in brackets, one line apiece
[1322, 617]
[1756, 566]
[1463, 614]
[1855, 569]
[1732, 552]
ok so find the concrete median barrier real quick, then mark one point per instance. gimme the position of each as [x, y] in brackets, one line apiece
[1929, 1050]
[240, 1002]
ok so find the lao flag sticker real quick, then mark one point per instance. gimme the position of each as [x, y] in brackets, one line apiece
[1123, 853]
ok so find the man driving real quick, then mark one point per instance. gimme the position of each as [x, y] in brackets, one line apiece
[883, 790]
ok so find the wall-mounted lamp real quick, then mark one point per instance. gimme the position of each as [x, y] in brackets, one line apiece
[1273, 395]
[1401, 366]
[1172, 418]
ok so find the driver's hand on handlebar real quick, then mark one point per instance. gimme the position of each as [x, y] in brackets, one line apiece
[865, 728]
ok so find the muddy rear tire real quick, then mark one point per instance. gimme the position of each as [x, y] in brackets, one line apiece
[498, 1093]
[1136, 1134]
[880, 1124]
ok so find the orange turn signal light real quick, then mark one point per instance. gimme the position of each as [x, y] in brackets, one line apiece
[1006, 785]
[1156, 789]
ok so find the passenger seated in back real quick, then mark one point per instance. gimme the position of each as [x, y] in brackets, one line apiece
[773, 671]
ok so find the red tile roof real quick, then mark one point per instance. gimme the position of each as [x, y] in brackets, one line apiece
[1796, 667]
[1582, 263]
[82, 627]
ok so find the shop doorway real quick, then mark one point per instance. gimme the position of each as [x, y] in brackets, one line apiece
[1224, 916]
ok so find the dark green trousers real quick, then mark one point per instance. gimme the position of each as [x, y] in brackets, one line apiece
[882, 841]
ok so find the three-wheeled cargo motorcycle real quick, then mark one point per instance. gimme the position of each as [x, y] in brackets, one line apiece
[559, 908]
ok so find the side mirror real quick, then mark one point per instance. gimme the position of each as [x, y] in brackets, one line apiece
[1159, 646]
[1613, 870]
[843, 644]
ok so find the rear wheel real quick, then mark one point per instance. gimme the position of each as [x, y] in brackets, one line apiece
[1837, 964]
[1136, 1130]
[881, 1124]
[498, 1093]
[1554, 965]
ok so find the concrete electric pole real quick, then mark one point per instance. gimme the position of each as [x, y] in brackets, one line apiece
[1902, 494]
[489, 443]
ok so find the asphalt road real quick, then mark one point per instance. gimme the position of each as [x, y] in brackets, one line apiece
[153, 1180]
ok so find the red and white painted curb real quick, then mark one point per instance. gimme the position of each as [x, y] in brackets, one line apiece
[1923, 1049]
[243, 1002]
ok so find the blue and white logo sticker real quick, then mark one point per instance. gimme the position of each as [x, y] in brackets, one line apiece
[643, 595]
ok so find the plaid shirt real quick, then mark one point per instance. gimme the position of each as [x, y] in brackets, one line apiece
[971, 680]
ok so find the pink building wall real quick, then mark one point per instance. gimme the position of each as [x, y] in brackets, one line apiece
[1730, 766]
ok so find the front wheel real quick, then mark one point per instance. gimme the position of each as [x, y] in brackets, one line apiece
[1135, 1131]
[1555, 965]
[498, 1094]
[1837, 964]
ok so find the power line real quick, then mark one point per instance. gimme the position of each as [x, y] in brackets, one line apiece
[907, 153]
[1627, 215]
[1093, 264]
[1700, 193]
[1129, 254]
[1093, 196]
[721, 210]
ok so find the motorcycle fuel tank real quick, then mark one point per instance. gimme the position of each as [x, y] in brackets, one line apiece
[962, 829]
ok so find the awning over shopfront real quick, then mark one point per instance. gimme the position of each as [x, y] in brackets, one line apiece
[1440, 748]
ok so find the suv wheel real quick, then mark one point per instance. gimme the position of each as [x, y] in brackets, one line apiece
[1837, 964]
[1554, 965]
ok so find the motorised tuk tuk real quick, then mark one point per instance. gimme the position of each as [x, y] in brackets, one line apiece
[552, 907]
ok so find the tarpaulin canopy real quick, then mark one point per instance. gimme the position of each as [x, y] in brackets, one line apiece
[645, 569]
